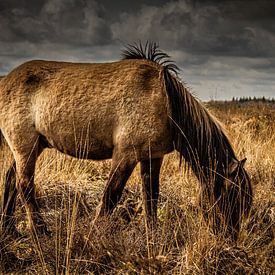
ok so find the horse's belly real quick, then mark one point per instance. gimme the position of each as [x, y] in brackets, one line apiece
[89, 148]
[84, 139]
[78, 132]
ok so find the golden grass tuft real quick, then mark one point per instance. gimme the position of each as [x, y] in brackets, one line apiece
[69, 191]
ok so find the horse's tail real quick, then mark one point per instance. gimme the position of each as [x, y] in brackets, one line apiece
[1, 135]
[1, 139]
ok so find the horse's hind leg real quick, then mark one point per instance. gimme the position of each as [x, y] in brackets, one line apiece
[9, 200]
[26, 149]
[150, 171]
[25, 184]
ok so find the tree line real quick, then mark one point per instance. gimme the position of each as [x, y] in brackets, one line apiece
[253, 99]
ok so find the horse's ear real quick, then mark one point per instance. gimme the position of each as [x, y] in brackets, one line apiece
[242, 162]
[233, 166]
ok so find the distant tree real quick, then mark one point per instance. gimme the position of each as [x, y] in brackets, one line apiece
[255, 99]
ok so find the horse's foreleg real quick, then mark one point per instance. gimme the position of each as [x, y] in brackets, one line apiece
[9, 200]
[150, 170]
[120, 172]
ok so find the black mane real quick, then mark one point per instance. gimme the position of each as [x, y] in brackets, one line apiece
[151, 52]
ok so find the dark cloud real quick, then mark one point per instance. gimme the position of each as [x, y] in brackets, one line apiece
[199, 29]
[216, 43]
[70, 22]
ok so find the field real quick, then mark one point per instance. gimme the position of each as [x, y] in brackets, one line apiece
[69, 191]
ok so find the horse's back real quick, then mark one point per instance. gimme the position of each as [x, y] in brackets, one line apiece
[90, 107]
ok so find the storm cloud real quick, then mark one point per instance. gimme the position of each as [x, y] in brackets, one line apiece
[224, 48]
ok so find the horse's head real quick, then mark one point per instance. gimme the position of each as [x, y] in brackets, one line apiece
[235, 196]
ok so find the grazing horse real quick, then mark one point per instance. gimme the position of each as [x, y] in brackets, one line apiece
[133, 110]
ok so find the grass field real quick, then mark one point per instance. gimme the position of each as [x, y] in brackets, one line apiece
[69, 191]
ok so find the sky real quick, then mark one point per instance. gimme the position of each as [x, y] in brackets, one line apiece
[224, 48]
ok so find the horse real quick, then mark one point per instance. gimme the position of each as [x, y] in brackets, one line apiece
[132, 111]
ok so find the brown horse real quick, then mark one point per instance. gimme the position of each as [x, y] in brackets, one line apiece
[134, 110]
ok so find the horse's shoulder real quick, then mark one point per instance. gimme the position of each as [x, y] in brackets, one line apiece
[142, 64]
[142, 69]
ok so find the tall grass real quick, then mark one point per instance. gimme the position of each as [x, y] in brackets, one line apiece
[69, 191]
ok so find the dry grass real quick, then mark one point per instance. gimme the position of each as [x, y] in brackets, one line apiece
[69, 191]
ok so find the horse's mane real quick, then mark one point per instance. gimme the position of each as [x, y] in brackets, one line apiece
[198, 136]
[150, 52]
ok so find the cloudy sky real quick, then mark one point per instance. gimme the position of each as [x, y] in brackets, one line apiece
[224, 48]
